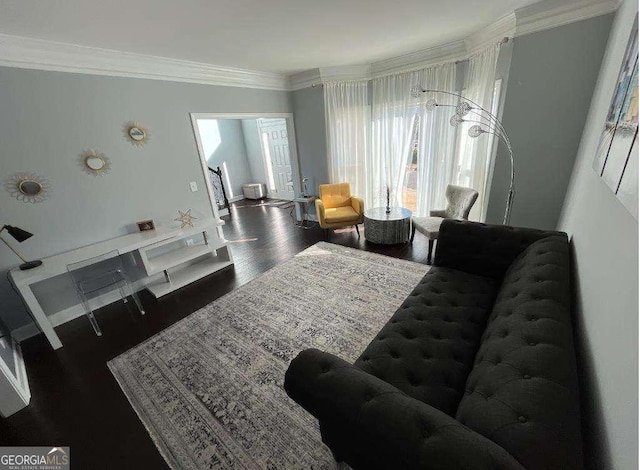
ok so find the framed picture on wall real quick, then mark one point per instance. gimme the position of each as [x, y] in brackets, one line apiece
[616, 159]
[145, 225]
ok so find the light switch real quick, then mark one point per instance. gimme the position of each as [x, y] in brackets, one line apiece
[193, 186]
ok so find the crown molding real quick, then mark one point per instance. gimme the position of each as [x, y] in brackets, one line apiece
[346, 72]
[306, 79]
[29, 53]
[548, 14]
[448, 52]
[504, 27]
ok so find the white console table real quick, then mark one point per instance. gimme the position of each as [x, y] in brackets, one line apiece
[164, 250]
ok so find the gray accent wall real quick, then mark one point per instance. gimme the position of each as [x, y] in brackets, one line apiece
[48, 118]
[604, 240]
[550, 84]
[308, 114]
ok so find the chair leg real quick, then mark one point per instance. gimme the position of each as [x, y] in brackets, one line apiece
[430, 251]
[136, 299]
[94, 323]
[123, 295]
[413, 232]
[357, 230]
[89, 313]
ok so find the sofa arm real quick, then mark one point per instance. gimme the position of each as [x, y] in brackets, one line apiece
[358, 204]
[485, 250]
[370, 424]
[438, 213]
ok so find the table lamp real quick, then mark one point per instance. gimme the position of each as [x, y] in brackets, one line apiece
[20, 235]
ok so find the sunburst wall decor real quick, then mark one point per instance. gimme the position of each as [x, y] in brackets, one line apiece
[136, 133]
[28, 187]
[94, 162]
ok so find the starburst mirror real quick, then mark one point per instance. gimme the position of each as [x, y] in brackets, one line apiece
[28, 187]
[94, 163]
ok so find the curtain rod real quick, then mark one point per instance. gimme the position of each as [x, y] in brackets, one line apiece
[502, 42]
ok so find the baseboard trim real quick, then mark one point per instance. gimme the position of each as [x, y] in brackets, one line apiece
[236, 198]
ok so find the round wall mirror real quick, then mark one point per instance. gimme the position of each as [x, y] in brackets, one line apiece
[136, 133]
[95, 163]
[30, 187]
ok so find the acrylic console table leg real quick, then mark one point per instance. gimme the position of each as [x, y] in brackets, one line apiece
[41, 319]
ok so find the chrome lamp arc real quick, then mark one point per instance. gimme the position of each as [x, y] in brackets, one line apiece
[484, 122]
[20, 236]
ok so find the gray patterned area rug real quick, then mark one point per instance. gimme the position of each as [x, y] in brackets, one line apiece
[209, 388]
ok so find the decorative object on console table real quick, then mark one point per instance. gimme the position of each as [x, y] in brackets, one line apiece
[185, 218]
[136, 133]
[616, 160]
[387, 228]
[20, 236]
[28, 187]
[388, 210]
[484, 122]
[94, 162]
[145, 225]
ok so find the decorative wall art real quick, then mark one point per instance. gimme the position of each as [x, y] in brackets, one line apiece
[28, 187]
[94, 163]
[145, 225]
[136, 133]
[185, 218]
[617, 157]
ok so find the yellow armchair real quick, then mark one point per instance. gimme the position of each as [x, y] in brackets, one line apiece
[336, 207]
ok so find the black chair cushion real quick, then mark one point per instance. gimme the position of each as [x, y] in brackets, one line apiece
[522, 391]
[427, 348]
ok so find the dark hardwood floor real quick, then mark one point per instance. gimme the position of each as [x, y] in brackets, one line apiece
[76, 401]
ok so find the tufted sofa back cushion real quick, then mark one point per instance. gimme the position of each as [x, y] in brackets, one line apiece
[485, 250]
[428, 347]
[523, 392]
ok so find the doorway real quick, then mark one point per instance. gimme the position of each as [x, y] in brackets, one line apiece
[239, 149]
[275, 149]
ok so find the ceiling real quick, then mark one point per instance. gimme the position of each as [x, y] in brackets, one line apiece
[283, 36]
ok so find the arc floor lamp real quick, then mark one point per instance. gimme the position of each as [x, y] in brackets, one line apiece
[484, 122]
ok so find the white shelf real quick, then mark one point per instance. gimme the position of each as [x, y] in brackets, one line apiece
[188, 274]
[176, 257]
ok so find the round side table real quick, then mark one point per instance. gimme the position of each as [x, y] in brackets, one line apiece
[387, 229]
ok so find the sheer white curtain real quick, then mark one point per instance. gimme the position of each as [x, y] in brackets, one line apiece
[436, 140]
[475, 154]
[348, 120]
[397, 119]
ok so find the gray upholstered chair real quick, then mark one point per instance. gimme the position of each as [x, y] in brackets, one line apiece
[460, 200]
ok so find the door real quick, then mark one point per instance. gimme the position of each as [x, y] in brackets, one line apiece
[275, 146]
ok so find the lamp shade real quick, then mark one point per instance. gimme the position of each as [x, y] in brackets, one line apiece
[17, 233]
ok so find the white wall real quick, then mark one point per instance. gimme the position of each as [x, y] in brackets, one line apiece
[48, 118]
[604, 238]
[224, 147]
[254, 151]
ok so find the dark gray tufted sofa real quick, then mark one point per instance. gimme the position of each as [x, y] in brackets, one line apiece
[475, 370]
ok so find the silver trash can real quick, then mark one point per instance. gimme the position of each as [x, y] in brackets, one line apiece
[254, 191]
